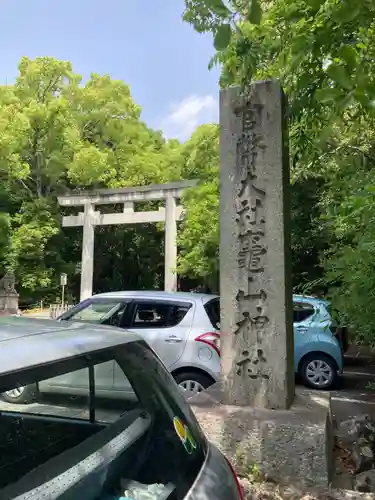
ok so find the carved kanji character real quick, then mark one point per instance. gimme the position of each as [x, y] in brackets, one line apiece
[257, 252]
[250, 207]
[248, 120]
[251, 365]
[252, 310]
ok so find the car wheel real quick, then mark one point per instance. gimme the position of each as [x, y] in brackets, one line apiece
[193, 383]
[318, 371]
[21, 394]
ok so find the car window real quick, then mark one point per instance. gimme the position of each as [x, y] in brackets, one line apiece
[302, 311]
[106, 312]
[213, 312]
[147, 441]
[178, 439]
[158, 314]
[43, 426]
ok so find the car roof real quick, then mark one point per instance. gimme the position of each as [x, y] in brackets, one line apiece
[30, 342]
[191, 296]
[309, 298]
[158, 295]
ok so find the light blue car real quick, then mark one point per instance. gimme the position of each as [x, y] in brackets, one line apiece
[318, 347]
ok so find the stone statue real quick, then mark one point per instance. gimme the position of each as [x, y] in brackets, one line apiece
[7, 283]
[8, 294]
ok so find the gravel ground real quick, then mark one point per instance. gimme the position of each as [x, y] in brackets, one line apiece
[270, 491]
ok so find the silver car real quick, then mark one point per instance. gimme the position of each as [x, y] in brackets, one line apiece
[148, 447]
[182, 328]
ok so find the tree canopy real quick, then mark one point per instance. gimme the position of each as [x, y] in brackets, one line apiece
[322, 51]
[57, 134]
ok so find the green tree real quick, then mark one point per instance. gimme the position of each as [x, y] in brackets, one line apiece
[58, 134]
[323, 53]
[199, 235]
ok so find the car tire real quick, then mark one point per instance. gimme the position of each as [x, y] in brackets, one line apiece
[21, 395]
[193, 382]
[318, 371]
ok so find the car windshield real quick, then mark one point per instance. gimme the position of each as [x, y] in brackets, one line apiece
[99, 311]
[127, 422]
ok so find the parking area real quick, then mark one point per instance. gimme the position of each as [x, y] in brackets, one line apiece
[352, 398]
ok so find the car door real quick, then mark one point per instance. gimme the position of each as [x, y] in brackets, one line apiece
[78, 382]
[104, 311]
[303, 313]
[164, 325]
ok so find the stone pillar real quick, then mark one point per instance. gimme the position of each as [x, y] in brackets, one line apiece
[87, 265]
[248, 415]
[170, 246]
[128, 207]
[255, 263]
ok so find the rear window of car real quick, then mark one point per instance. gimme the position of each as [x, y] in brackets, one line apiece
[213, 312]
[136, 434]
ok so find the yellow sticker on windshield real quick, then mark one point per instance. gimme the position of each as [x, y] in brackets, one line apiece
[184, 434]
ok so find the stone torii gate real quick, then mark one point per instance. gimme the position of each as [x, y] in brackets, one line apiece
[90, 217]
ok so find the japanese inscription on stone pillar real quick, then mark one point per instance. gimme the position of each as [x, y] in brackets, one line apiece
[257, 338]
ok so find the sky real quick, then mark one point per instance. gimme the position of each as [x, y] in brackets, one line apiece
[143, 42]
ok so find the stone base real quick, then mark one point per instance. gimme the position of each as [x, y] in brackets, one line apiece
[9, 303]
[294, 445]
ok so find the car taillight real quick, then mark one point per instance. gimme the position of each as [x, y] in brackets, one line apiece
[212, 339]
[240, 488]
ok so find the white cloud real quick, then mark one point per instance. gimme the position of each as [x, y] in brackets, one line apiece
[185, 116]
